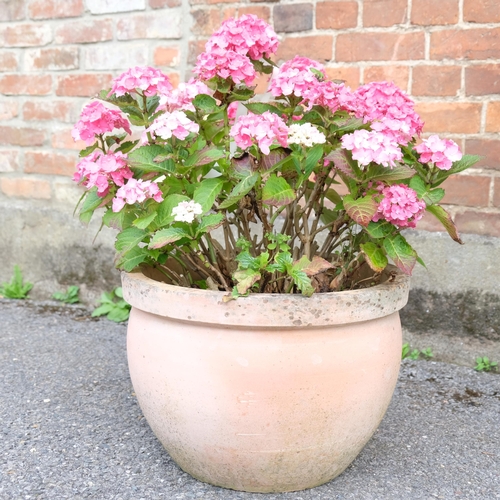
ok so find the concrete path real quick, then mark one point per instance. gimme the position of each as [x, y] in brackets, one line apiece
[70, 426]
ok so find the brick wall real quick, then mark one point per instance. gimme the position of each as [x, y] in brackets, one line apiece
[54, 54]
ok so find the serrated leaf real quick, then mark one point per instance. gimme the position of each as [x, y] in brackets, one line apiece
[205, 156]
[312, 158]
[261, 107]
[130, 259]
[374, 256]
[277, 192]
[433, 196]
[388, 174]
[118, 220]
[400, 251]
[241, 94]
[118, 314]
[241, 189]
[145, 157]
[380, 229]
[312, 267]
[209, 223]
[144, 222]
[91, 202]
[459, 166]
[166, 236]
[341, 162]
[164, 209]
[419, 186]
[207, 191]
[246, 279]
[129, 238]
[302, 281]
[445, 218]
[361, 210]
[205, 103]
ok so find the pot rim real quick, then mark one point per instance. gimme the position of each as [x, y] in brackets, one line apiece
[274, 310]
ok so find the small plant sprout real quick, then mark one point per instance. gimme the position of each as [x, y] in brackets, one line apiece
[16, 289]
[113, 306]
[407, 352]
[427, 353]
[70, 296]
[484, 364]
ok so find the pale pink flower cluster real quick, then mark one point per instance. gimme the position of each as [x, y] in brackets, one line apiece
[168, 124]
[370, 146]
[389, 110]
[400, 206]
[182, 97]
[149, 81]
[265, 129]
[99, 170]
[186, 211]
[226, 64]
[331, 95]
[96, 119]
[247, 35]
[441, 152]
[232, 110]
[136, 190]
[295, 77]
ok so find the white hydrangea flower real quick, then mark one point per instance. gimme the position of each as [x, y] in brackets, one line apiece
[186, 211]
[305, 134]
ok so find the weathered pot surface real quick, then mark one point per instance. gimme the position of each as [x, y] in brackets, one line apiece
[267, 393]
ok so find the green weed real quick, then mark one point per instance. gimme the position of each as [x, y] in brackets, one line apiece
[483, 364]
[407, 352]
[113, 306]
[16, 289]
[70, 296]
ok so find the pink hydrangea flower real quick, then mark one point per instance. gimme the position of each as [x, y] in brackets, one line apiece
[182, 97]
[295, 77]
[99, 170]
[226, 64]
[370, 146]
[331, 95]
[96, 119]
[149, 81]
[248, 35]
[400, 206]
[175, 124]
[232, 110]
[136, 191]
[441, 152]
[263, 129]
[389, 110]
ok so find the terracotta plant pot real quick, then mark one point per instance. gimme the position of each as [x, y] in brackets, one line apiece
[267, 393]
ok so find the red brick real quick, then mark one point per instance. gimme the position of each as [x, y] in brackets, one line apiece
[496, 192]
[26, 84]
[114, 6]
[84, 32]
[482, 80]
[25, 188]
[48, 110]
[292, 18]
[384, 12]
[21, 136]
[206, 21]
[336, 15]
[261, 11]
[450, 117]
[429, 223]
[114, 57]
[477, 222]
[51, 59]
[436, 80]
[317, 47]
[465, 44]
[166, 56]
[481, 11]
[157, 25]
[62, 139]
[467, 190]
[8, 110]
[12, 10]
[493, 117]
[85, 85]
[432, 13]
[195, 49]
[41, 162]
[350, 75]
[159, 4]
[397, 74]
[489, 149]
[8, 61]
[380, 46]
[25, 35]
[50, 9]
[9, 160]
[268, 1]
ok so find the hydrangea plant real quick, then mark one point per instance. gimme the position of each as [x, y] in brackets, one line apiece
[293, 193]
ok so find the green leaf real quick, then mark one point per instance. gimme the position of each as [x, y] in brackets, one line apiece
[430, 196]
[333, 196]
[261, 107]
[419, 186]
[144, 222]
[145, 157]
[361, 210]
[205, 103]
[445, 218]
[207, 191]
[400, 251]
[209, 223]
[118, 314]
[130, 259]
[118, 220]
[387, 174]
[90, 204]
[434, 196]
[374, 256]
[312, 158]
[164, 210]
[341, 162]
[312, 267]
[302, 281]
[240, 190]
[277, 192]
[380, 229]
[241, 94]
[129, 238]
[167, 236]
[459, 166]
[246, 278]
[205, 156]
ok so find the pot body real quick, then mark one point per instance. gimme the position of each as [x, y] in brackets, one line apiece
[268, 393]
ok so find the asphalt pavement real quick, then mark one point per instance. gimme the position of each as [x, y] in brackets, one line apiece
[70, 426]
